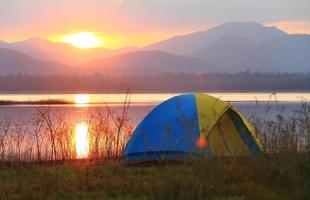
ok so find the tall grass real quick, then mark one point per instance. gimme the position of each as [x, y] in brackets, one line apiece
[284, 133]
[282, 173]
[48, 136]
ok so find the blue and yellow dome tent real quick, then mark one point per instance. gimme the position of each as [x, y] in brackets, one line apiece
[191, 126]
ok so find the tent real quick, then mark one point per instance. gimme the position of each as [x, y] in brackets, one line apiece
[191, 126]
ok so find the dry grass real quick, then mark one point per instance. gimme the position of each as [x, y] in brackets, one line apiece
[282, 173]
[281, 176]
[49, 137]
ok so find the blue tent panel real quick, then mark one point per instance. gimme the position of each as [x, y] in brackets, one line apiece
[170, 129]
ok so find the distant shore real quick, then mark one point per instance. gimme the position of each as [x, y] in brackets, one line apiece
[41, 102]
[177, 82]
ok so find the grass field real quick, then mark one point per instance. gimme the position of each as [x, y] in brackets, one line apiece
[283, 172]
[282, 176]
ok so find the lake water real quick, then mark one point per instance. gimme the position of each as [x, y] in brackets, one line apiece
[77, 139]
[157, 97]
[263, 104]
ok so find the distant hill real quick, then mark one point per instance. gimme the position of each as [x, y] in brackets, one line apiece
[2, 43]
[230, 47]
[239, 46]
[145, 62]
[234, 54]
[13, 62]
[283, 54]
[288, 54]
[187, 44]
[60, 52]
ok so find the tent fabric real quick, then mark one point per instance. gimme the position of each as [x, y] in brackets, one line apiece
[171, 131]
[225, 134]
[210, 109]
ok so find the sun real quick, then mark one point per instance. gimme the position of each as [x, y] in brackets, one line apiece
[83, 40]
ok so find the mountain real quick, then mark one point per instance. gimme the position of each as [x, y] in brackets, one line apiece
[289, 54]
[283, 54]
[60, 52]
[232, 54]
[230, 47]
[145, 62]
[241, 46]
[187, 44]
[2, 43]
[13, 62]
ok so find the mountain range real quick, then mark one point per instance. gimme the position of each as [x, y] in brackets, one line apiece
[13, 62]
[230, 47]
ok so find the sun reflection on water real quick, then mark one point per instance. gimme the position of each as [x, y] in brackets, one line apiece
[81, 140]
[81, 100]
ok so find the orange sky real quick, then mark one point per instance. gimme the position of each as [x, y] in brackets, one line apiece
[123, 23]
[119, 40]
[110, 31]
[115, 28]
[292, 27]
[139, 38]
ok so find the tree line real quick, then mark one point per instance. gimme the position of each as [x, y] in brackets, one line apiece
[180, 82]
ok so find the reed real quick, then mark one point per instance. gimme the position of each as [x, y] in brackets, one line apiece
[48, 136]
[282, 133]
[40, 162]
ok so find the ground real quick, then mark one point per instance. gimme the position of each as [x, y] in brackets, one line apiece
[284, 176]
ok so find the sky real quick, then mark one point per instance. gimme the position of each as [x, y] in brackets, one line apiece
[139, 22]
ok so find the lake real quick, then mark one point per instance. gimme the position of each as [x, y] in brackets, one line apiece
[263, 104]
[77, 130]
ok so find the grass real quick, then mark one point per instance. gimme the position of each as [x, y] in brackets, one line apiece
[281, 176]
[282, 173]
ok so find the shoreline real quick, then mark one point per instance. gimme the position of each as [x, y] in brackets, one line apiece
[73, 104]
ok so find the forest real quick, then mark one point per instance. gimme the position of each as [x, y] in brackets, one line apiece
[180, 82]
